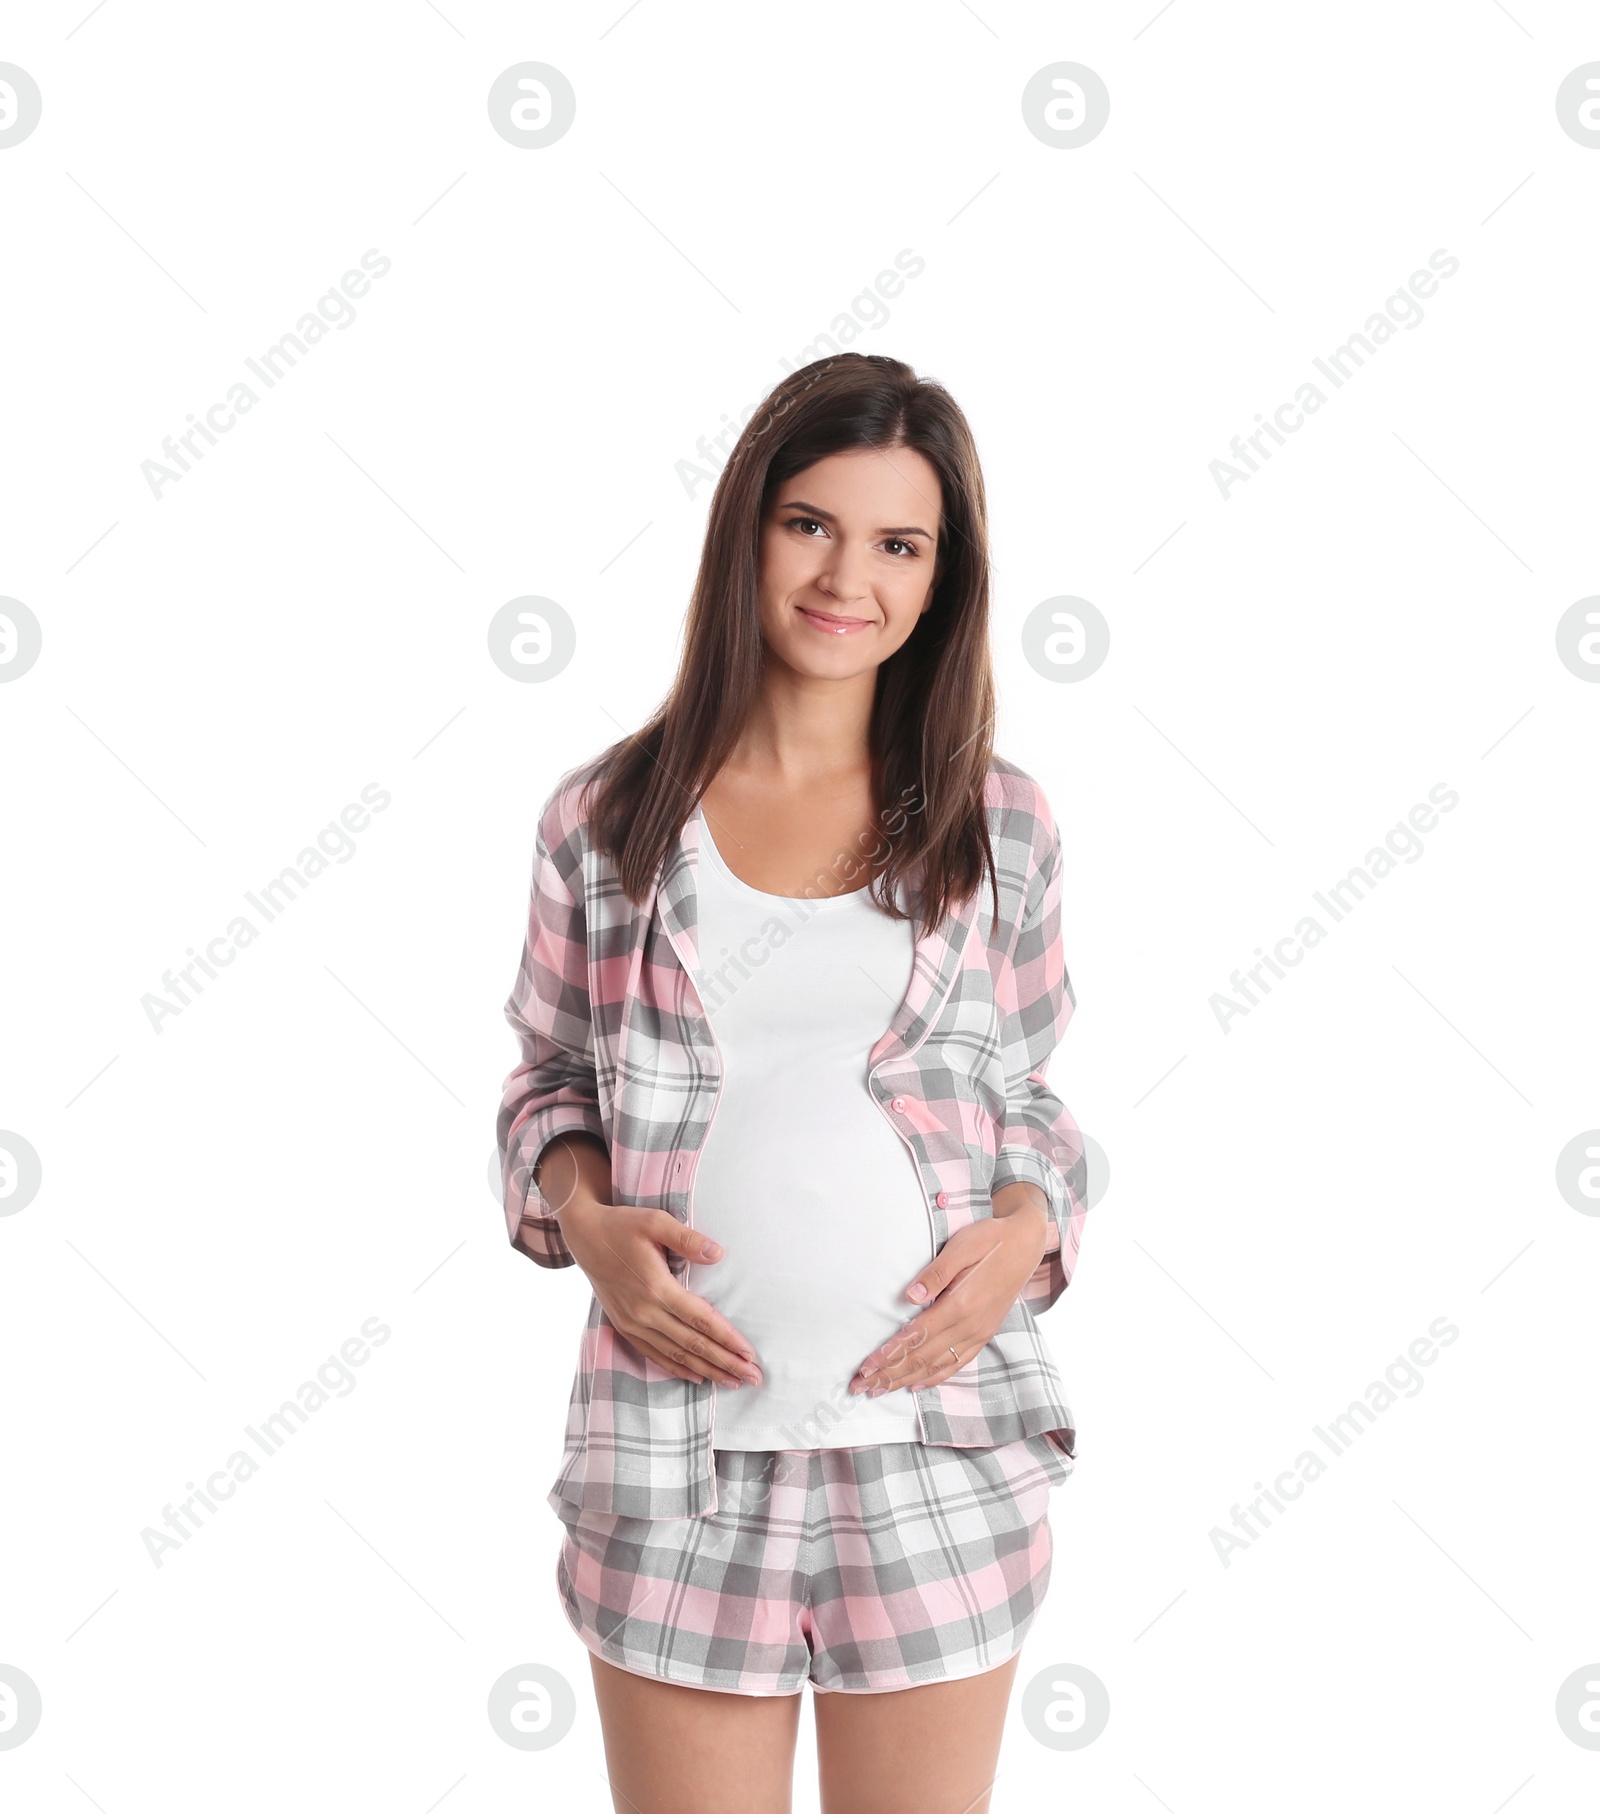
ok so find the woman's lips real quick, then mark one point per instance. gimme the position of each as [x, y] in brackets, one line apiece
[834, 626]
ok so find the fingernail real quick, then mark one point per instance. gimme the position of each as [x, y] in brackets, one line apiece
[869, 1369]
[918, 1291]
[711, 1251]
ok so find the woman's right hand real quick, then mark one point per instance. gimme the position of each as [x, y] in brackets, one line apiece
[623, 1250]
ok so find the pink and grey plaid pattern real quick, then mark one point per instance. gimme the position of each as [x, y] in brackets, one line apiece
[860, 1570]
[614, 1041]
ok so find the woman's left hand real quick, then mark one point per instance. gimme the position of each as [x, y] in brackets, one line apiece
[969, 1292]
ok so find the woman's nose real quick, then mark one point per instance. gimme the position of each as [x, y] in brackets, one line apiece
[844, 572]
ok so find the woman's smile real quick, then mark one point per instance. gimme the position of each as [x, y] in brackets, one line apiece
[832, 623]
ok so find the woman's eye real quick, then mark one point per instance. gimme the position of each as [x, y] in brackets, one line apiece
[895, 542]
[803, 522]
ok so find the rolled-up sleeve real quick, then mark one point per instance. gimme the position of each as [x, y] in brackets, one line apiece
[1041, 1143]
[552, 1090]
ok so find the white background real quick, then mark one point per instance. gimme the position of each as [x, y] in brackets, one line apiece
[1288, 1204]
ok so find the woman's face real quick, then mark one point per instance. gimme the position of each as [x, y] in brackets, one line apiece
[847, 560]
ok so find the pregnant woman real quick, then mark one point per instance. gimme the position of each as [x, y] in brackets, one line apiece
[792, 976]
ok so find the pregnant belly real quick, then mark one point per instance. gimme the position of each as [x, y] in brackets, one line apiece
[810, 1332]
[818, 1249]
[811, 1325]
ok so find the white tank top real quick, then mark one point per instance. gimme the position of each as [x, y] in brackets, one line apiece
[813, 1195]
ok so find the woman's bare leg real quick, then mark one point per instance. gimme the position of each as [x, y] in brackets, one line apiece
[676, 1750]
[929, 1750]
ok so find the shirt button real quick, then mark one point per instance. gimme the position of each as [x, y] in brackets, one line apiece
[898, 1105]
[943, 1199]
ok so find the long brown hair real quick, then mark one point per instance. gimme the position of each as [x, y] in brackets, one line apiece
[930, 733]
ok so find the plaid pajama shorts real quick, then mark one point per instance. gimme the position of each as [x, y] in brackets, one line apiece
[860, 1570]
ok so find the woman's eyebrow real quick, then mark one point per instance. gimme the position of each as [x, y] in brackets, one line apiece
[827, 516]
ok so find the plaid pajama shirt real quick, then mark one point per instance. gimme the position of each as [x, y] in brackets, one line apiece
[615, 1043]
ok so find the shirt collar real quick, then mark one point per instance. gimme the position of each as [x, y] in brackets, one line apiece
[936, 962]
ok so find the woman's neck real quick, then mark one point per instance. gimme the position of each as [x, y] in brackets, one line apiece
[801, 729]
